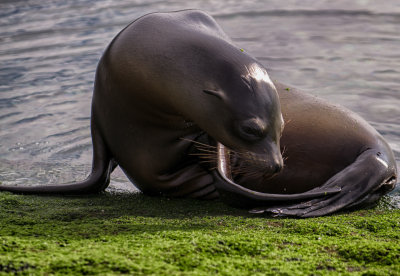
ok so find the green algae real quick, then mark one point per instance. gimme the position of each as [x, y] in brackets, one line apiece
[111, 234]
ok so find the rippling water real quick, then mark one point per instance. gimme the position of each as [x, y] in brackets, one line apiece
[344, 51]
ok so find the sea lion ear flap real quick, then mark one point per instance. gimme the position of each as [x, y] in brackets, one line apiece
[218, 94]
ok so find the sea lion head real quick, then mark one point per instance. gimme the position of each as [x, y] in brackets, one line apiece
[245, 118]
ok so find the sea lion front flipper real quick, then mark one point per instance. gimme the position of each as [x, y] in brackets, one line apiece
[369, 177]
[191, 181]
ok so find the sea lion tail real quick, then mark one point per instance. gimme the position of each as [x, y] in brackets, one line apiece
[96, 182]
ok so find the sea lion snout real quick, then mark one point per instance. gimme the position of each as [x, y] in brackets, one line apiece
[259, 149]
[265, 164]
[268, 163]
[278, 166]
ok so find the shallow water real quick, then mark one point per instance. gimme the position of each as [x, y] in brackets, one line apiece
[345, 51]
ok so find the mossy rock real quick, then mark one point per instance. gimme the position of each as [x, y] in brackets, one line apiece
[113, 234]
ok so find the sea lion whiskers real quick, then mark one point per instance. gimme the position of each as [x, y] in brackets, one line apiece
[198, 143]
[284, 158]
[244, 167]
[205, 150]
[208, 154]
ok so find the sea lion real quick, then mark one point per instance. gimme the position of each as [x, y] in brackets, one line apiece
[172, 90]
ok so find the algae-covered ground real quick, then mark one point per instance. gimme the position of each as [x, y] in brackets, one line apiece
[134, 234]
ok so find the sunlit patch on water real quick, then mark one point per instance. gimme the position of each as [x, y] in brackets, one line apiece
[345, 51]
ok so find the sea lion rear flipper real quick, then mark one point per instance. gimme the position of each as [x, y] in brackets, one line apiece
[96, 182]
[236, 195]
[362, 182]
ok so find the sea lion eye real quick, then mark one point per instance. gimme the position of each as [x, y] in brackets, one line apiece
[252, 129]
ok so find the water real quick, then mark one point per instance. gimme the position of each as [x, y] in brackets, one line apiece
[345, 51]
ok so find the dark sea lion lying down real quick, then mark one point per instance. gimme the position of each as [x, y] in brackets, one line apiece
[186, 113]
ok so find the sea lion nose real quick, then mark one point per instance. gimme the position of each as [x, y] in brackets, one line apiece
[277, 167]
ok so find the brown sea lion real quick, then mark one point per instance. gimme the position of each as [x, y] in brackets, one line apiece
[172, 88]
